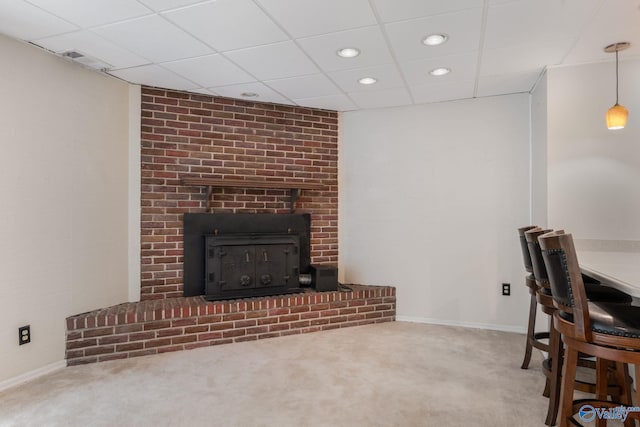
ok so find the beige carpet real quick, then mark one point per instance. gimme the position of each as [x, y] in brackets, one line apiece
[392, 374]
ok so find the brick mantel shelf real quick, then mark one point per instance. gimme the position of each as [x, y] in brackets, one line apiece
[293, 187]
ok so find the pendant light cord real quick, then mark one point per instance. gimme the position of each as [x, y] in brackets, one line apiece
[616, 76]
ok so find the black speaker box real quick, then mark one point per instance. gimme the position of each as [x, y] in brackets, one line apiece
[324, 277]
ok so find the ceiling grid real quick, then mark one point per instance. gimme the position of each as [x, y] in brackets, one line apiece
[285, 51]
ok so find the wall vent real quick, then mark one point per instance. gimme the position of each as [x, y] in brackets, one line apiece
[86, 60]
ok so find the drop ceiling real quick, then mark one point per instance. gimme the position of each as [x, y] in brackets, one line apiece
[285, 51]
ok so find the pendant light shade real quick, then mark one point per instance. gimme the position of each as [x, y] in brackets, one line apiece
[617, 115]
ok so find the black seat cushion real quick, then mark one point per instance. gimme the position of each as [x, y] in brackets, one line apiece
[615, 319]
[588, 279]
[600, 293]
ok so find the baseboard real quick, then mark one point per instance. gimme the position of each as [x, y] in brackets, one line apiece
[489, 326]
[31, 375]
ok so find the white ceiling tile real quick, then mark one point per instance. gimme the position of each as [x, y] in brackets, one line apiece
[463, 29]
[265, 93]
[93, 45]
[303, 18]
[27, 22]
[304, 87]
[543, 21]
[523, 58]
[331, 102]
[160, 5]
[600, 33]
[252, 38]
[444, 91]
[369, 40]
[463, 67]
[274, 61]
[228, 24]
[506, 83]
[387, 77]
[209, 71]
[94, 12]
[397, 10]
[154, 38]
[381, 98]
[154, 75]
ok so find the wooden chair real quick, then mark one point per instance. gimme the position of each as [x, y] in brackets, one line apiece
[607, 331]
[545, 300]
[552, 365]
[534, 338]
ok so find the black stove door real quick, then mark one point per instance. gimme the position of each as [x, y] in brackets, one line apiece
[251, 265]
[276, 265]
[237, 267]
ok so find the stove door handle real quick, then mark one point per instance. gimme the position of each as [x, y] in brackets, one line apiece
[246, 253]
[266, 256]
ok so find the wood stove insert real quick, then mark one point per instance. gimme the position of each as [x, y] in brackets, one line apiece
[257, 263]
[245, 255]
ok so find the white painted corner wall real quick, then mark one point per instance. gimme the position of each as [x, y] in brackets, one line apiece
[538, 182]
[593, 172]
[64, 185]
[539, 131]
[134, 191]
[430, 200]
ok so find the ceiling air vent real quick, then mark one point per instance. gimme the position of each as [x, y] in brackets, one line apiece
[86, 60]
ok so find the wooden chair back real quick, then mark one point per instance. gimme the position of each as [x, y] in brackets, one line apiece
[565, 278]
[526, 256]
[539, 270]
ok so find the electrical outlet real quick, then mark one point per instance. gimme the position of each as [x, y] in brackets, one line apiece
[24, 334]
[506, 289]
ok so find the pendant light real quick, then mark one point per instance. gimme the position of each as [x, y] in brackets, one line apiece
[617, 115]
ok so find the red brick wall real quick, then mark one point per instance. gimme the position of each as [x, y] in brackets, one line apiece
[192, 135]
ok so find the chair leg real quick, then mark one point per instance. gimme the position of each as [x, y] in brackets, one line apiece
[602, 366]
[530, 332]
[636, 368]
[568, 384]
[624, 382]
[547, 388]
[615, 380]
[555, 352]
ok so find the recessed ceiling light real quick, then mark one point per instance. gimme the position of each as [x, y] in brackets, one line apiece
[367, 80]
[440, 71]
[249, 94]
[348, 52]
[435, 39]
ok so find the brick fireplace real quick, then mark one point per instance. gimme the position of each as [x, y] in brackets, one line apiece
[192, 136]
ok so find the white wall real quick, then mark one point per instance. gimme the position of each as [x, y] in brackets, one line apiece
[135, 189]
[64, 189]
[430, 200]
[594, 173]
[539, 132]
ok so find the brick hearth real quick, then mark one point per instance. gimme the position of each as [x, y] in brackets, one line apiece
[173, 324]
